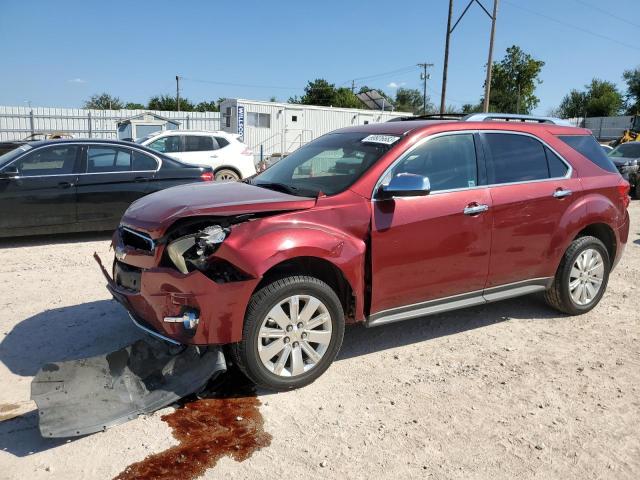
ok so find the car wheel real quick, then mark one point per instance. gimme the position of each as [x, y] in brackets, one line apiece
[582, 277]
[293, 330]
[226, 175]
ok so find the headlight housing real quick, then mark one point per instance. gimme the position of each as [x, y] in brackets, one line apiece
[193, 250]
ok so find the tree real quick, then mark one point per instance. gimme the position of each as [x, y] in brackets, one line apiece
[321, 92]
[632, 79]
[134, 106]
[600, 99]
[411, 100]
[470, 108]
[103, 101]
[207, 107]
[513, 82]
[168, 103]
[573, 105]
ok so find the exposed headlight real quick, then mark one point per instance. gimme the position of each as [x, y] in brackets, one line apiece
[194, 249]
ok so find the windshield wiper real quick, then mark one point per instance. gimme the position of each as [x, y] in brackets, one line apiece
[283, 187]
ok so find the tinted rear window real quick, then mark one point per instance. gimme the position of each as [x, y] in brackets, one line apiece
[588, 147]
[515, 158]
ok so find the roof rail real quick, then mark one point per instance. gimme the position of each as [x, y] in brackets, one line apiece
[511, 117]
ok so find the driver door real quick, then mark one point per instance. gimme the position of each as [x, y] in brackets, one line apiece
[427, 248]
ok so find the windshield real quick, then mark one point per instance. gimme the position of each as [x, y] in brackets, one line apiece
[629, 150]
[330, 164]
[7, 157]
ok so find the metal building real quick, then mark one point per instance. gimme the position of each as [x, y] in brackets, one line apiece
[143, 124]
[281, 128]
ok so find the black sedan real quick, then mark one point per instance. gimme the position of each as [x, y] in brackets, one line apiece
[57, 186]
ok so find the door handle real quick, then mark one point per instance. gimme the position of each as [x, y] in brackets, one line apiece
[65, 185]
[474, 209]
[562, 193]
[141, 179]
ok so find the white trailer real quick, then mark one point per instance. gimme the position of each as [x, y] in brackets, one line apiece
[280, 128]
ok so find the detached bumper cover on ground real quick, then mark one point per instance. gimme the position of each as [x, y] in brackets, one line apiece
[84, 396]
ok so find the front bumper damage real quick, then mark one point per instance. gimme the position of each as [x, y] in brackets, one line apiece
[88, 395]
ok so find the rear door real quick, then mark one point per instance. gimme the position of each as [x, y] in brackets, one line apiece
[199, 150]
[114, 178]
[431, 247]
[531, 189]
[44, 192]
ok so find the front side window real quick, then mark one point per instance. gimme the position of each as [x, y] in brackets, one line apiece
[106, 159]
[515, 158]
[198, 143]
[166, 144]
[48, 161]
[449, 162]
[329, 164]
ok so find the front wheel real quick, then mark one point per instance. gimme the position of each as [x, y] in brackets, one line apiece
[581, 278]
[292, 332]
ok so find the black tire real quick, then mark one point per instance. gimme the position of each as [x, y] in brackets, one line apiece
[245, 353]
[559, 296]
[635, 192]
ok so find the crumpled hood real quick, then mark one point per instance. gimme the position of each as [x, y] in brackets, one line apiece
[156, 212]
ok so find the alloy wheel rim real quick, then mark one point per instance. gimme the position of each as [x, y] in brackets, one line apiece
[294, 336]
[586, 277]
[226, 177]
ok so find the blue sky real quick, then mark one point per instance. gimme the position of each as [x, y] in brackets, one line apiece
[58, 53]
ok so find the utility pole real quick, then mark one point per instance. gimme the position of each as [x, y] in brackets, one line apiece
[178, 92]
[353, 86]
[487, 86]
[446, 60]
[424, 76]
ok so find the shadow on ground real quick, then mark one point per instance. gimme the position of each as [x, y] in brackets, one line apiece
[101, 327]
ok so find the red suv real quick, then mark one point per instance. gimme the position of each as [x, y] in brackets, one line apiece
[372, 224]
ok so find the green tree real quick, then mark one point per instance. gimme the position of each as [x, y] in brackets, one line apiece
[470, 108]
[103, 101]
[513, 82]
[168, 103]
[599, 99]
[573, 105]
[321, 92]
[345, 98]
[207, 107]
[632, 79]
[134, 106]
[411, 100]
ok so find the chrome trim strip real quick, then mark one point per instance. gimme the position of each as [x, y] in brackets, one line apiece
[482, 117]
[568, 175]
[455, 302]
[153, 333]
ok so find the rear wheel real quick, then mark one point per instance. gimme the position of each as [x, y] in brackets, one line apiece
[581, 278]
[292, 332]
[226, 175]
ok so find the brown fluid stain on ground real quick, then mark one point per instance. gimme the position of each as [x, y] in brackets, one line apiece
[10, 410]
[207, 429]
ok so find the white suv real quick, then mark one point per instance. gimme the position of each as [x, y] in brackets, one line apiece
[230, 158]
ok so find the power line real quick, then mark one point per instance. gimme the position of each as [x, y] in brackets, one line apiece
[602, 10]
[570, 25]
[244, 85]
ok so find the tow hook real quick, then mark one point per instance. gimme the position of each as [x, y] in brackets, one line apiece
[189, 319]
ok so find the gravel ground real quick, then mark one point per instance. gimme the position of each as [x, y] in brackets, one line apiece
[508, 390]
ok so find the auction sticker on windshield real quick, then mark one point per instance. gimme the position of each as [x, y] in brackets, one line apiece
[384, 139]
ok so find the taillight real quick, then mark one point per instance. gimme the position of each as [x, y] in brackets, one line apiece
[623, 190]
[207, 176]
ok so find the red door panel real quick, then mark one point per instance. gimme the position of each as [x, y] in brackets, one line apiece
[526, 217]
[424, 248]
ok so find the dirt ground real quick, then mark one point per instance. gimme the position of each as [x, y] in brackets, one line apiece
[508, 390]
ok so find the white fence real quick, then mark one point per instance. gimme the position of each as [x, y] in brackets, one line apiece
[17, 123]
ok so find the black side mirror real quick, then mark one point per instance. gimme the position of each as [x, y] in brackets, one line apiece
[9, 172]
[406, 185]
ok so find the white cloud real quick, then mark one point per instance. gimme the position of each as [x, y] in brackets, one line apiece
[77, 80]
[396, 85]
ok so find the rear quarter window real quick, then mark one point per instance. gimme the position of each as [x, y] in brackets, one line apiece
[587, 146]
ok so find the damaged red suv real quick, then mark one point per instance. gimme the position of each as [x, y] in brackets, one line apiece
[372, 224]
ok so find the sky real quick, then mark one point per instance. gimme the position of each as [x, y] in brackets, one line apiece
[59, 53]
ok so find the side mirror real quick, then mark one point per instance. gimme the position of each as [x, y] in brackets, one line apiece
[406, 185]
[9, 172]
